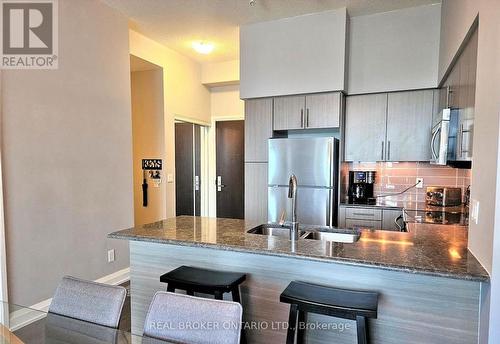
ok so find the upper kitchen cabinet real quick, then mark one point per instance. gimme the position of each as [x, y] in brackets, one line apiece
[289, 113]
[323, 110]
[298, 55]
[258, 128]
[393, 51]
[389, 126]
[365, 125]
[409, 119]
[312, 111]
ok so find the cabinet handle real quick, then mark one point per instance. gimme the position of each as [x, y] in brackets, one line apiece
[462, 132]
[302, 118]
[388, 150]
[307, 118]
[382, 152]
[363, 214]
[461, 140]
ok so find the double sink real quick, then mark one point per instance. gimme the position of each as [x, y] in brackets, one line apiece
[309, 233]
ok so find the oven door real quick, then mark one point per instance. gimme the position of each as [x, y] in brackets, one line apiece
[439, 142]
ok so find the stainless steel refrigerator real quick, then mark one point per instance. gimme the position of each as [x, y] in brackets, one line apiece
[315, 163]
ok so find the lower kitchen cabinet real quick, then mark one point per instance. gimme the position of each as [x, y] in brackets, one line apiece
[370, 224]
[391, 219]
[369, 217]
[256, 192]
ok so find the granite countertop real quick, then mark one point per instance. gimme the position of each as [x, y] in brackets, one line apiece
[437, 250]
[408, 205]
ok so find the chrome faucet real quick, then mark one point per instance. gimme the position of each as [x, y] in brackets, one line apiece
[292, 193]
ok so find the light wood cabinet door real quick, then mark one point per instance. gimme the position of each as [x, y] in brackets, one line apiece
[323, 110]
[439, 103]
[365, 125]
[389, 217]
[289, 112]
[256, 192]
[341, 217]
[369, 224]
[258, 128]
[409, 119]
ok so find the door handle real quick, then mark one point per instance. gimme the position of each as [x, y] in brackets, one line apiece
[219, 184]
[462, 132]
[388, 150]
[197, 183]
[433, 151]
[382, 152]
[302, 118]
[307, 118]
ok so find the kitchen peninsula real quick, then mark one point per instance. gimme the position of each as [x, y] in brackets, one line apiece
[430, 285]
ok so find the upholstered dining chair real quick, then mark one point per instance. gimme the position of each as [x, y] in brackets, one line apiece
[188, 319]
[93, 302]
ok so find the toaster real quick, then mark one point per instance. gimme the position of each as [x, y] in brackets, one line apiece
[443, 196]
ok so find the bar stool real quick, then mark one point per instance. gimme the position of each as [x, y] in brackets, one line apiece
[213, 282]
[341, 303]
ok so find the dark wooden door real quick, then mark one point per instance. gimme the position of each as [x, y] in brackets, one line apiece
[187, 169]
[230, 138]
[184, 187]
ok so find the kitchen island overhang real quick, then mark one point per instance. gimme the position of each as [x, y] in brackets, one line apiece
[431, 295]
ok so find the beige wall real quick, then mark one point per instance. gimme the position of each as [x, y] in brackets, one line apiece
[184, 97]
[67, 154]
[149, 141]
[457, 18]
[225, 102]
[220, 73]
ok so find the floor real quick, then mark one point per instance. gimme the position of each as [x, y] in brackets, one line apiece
[125, 319]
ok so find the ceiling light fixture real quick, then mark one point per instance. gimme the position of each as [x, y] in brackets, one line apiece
[204, 48]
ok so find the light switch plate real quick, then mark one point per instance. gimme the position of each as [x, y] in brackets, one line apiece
[170, 178]
[420, 183]
[474, 214]
[111, 255]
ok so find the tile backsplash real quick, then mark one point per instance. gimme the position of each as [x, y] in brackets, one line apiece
[394, 177]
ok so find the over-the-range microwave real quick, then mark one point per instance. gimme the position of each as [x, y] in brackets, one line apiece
[447, 140]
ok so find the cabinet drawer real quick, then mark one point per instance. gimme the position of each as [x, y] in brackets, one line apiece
[352, 223]
[363, 213]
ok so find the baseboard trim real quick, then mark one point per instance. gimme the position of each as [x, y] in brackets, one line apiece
[116, 278]
[23, 317]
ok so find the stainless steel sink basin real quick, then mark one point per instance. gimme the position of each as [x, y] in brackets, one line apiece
[336, 235]
[310, 232]
[275, 230]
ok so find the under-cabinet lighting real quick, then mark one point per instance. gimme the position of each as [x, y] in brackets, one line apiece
[385, 241]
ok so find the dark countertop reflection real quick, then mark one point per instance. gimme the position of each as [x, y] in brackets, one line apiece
[438, 250]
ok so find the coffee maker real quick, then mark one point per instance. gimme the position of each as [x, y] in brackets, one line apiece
[361, 187]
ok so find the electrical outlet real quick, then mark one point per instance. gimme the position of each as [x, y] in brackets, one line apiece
[111, 255]
[420, 183]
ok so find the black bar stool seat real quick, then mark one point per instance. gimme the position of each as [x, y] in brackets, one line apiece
[199, 280]
[214, 282]
[341, 303]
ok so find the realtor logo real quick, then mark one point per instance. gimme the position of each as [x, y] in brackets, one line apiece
[29, 34]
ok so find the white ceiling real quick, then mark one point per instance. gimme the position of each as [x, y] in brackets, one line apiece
[177, 23]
